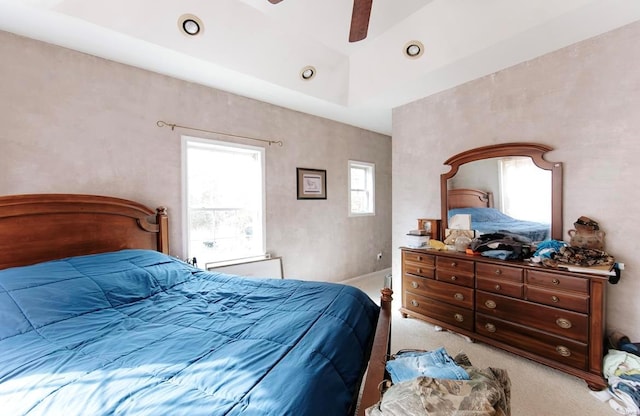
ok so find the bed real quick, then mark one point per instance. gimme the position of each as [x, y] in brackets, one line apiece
[97, 318]
[487, 219]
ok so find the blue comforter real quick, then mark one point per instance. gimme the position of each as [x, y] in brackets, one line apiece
[491, 220]
[136, 332]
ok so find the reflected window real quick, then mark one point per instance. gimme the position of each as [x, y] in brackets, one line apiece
[525, 190]
[224, 200]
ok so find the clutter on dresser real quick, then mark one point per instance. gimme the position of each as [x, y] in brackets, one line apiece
[502, 245]
[583, 254]
[417, 239]
[428, 230]
[418, 232]
[587, 234]
[459, 235]
[458, 239]
[431, 226]
[460, 222]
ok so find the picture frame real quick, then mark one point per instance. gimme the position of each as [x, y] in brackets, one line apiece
[311, 183]
[432, 226]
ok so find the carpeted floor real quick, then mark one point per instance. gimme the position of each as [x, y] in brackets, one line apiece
[537, 390]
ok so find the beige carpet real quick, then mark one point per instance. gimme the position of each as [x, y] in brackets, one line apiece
[537, 390]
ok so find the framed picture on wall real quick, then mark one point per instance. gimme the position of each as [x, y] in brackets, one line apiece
[312, 183]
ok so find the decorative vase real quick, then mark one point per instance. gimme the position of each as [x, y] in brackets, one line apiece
[587, 238]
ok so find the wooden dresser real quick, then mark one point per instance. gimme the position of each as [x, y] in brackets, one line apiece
[553, 317]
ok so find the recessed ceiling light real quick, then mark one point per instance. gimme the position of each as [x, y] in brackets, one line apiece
[413, 49]
[307, 73]
[190, 25]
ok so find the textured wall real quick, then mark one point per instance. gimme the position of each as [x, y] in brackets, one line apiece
[584, 100]
[74, 123]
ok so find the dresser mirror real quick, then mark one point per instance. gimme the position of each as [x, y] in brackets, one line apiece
[522, 190]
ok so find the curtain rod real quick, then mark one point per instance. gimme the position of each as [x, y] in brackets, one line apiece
[161, 123]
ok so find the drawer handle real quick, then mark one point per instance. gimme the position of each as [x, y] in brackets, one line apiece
[419, 258]
[564, 323]
[555, 281]
[458, 296]
[414, 302]
[415, 285]
[564, 351]
[498, 272]
[498, 287]
[454, 264]
[490, 327]
[454, 278]
[419, 270]
[490, 304]
[555, 299]
[458, 317]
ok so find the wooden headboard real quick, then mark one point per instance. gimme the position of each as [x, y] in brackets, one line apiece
[469, 198]
[41, 227]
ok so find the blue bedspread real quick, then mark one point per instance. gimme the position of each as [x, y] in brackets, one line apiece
[136, 332]
[491, 220]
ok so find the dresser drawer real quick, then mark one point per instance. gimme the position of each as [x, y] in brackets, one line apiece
[448, 293]
[461, 267]
[557, 281]
[453, 315]
[558, 298]
[500, 272]
[418, 264]
[419, 270]
[450, 276]
[451, 270]
[415, 284]
[543, 344]
[425, 260]
[545, 318]
[502, 287]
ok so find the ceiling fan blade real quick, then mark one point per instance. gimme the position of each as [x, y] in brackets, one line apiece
[360, 20]
[274, 1]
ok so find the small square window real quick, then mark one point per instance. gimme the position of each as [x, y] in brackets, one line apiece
[361, 188]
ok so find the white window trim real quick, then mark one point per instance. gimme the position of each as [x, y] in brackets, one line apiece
[372, 166]
[185, 210]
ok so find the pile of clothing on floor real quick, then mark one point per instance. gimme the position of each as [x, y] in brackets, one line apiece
[435, 384]
[621, 367]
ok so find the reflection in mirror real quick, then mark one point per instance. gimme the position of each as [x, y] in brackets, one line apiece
[506, 187]
[518, 196]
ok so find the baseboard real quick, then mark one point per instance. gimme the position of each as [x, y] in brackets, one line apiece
[380, 273]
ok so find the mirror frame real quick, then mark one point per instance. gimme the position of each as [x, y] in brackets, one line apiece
[534, 150]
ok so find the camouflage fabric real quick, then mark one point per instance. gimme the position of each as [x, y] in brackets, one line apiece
[487, 393]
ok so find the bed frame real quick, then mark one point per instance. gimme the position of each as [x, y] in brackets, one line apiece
[469, 198]
[41, 227]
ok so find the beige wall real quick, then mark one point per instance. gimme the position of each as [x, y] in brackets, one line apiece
[584, 101]
[74, 123]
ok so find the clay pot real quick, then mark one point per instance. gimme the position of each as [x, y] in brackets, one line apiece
[587, 238]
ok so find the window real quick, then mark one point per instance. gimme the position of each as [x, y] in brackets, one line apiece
[361, 188]
[224, 200]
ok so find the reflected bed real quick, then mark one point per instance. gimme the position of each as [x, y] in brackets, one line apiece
[487, 219]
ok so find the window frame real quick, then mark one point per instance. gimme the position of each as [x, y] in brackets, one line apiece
[370, 169]
[185, 141]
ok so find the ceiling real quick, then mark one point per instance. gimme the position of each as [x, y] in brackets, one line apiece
[256, 49]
